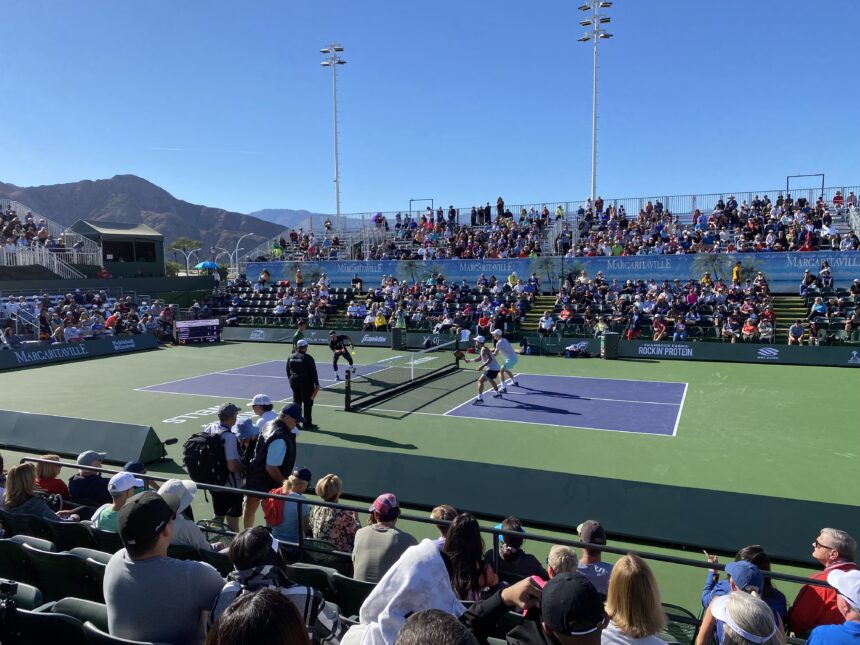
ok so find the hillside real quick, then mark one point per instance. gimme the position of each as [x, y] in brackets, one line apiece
[127, 198]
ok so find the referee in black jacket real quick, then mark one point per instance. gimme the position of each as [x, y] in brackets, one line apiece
[302, 373]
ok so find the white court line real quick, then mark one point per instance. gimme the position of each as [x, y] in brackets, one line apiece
[604, 378]
[680, 410]
[188, 378]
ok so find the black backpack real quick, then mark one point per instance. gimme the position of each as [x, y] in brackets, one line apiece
[204, 459]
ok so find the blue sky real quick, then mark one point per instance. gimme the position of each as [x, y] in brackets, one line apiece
[225, 103]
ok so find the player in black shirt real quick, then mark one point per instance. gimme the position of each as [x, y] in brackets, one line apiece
[338, 346]
[302, 373]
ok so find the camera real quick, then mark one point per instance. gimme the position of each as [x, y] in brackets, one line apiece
[8, 587]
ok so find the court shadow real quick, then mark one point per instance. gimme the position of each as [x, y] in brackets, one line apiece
[537, 407]
[551, 393]
[367, 440]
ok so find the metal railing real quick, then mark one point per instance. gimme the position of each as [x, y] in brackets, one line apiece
[423, 519]
[40, 256]
[853, 219]
[87, 251]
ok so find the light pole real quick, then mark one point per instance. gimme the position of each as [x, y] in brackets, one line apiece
[236, 251]
[333, 61]
[187, 255]
[596, 34]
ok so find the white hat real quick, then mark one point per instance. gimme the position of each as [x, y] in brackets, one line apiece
[183, 489]
[302, 343]
[720, 611]
[846, 583]
[260, 399]
[122, 482]
[497, 332]
[480, 339]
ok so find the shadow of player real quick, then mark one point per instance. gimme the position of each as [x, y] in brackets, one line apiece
[528, 406]
[551, 393]
[366, 439]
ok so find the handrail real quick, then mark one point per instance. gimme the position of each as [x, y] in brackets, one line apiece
[56, 230]
[496, 533]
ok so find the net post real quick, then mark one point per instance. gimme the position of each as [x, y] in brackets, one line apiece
[347, 394]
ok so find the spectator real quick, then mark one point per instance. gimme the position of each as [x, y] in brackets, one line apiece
[149, 596]
[264, 617]
[379, 545]
[20, 495]
[47, 479]
[434, 627]
[446, 513]
[546, 324]
[185, 531]
[514, 562]
[287, 530]
[847, 585]
[464, 548]
[754, 554]
[121, 488]
[633, 605]
[333, 525]
[591, 564]
[561, 559]
[835, 550]
[796, 332]
[748, 620]
[228, 505]
[659, 327]
[257, 565]
[88, 487]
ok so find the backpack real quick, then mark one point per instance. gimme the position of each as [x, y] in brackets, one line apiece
[273, 509]
[204, 459]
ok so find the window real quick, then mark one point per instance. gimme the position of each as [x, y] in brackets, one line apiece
[144, 251]
[115, 251]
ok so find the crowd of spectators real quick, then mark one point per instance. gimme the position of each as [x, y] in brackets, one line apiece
[580, 597]
[740, 310]
[80, 316]
[27, 232]
[306, 246]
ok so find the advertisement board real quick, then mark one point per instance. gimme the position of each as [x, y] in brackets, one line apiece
[313, 336]
[830, 356]
[44, 353]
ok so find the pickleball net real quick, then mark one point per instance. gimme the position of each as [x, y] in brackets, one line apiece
[388, 378]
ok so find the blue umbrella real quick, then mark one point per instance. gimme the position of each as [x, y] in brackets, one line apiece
[208, 264]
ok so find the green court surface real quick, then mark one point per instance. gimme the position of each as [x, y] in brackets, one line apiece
[776, 432]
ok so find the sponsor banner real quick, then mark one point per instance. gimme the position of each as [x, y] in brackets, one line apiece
[830, 356]
[42, 353]
[782, 270]
[313, 336]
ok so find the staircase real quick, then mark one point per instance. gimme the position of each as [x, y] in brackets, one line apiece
[787, 308]
[529, 323]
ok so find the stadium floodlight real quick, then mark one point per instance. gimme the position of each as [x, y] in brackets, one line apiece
[595, 35]
[333, 61]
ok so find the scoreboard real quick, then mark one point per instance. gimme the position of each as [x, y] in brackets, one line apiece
[197, 331]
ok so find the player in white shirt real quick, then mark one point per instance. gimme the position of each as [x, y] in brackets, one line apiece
[488, 362]
[504, 347]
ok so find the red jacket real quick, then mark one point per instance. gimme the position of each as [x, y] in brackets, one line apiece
[817, 605]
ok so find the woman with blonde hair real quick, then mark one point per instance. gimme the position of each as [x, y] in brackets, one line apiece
[22, 497]
[333, 525]
[633, 604]
[47, 478]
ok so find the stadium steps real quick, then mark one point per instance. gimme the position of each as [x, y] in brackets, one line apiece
[787, 308]
[541, 304]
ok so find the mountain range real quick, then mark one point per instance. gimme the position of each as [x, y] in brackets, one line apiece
[131, 199]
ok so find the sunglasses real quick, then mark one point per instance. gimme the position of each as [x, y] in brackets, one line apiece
[816, 544]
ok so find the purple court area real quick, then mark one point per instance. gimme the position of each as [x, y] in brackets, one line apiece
[269, 377]
[644, 407]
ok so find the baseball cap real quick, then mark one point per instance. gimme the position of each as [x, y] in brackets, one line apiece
[122, 482]
[745, 574]
[480, 339]
[294, 411]
[89, 457]
[227, 410]
[144, 516]
[302, 343]
[135, 467]
[260, 399]
[720, 611]
[385, 506]
[846, 583]
[571, 605]
[332, 333]
[591, 532]
[304, 474]
[497, 332]
[182, 489]
[245, 429]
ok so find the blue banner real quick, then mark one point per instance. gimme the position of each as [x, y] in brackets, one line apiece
[782, 270]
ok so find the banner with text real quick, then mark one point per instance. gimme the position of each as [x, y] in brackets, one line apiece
[782, 270]
[313, 336]
[40, 354]
[831, 356]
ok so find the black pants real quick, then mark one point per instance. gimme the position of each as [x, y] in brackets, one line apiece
[302, 396]
[346, 355]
